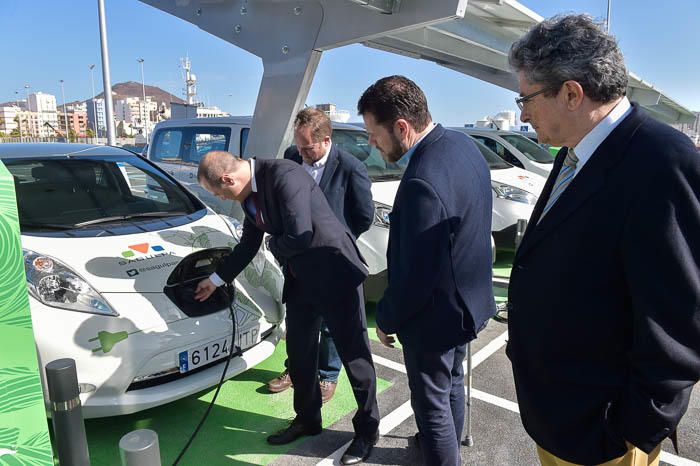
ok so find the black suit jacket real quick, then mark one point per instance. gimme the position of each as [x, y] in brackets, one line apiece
[604, 331]
[306, 237]
[347, 188]
[439, 256]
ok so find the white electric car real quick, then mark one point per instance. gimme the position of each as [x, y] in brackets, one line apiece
[514, 148]
[515, 192]
[113, 249]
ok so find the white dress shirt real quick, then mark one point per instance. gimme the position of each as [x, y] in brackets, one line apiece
[316, 169]
[590, 142]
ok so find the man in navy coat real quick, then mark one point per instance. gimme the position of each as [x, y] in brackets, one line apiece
[604, 326]
[347, 187]
[439, 257]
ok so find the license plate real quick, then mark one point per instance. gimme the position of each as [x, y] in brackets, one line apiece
[217, 349]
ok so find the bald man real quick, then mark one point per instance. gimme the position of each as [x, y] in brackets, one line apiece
[323, 275]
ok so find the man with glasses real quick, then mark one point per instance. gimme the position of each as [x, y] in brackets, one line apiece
[347, 187]
[604, 322]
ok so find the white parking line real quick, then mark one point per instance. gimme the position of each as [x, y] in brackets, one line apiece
[403, 412]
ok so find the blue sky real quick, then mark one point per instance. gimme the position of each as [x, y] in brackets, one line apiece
[49, 40]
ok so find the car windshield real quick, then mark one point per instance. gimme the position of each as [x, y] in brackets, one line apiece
[531, 150]
[70, 193]
[492, 159]
[356, 142]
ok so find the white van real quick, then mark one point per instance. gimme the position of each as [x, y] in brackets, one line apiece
[515, 148]
[177, 146]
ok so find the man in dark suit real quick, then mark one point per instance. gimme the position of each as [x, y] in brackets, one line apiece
[323, 273]
[439, 293]
[604, 327]
[346, 185]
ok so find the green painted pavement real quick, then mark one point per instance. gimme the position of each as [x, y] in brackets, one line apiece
[235, 431]
[24, 435]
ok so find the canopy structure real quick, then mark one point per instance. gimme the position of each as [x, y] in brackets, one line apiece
[472, 37]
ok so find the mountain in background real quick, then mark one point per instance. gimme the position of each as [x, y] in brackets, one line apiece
[124, 90]
[134, 89]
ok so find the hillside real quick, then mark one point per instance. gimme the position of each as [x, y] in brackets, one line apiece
[133, 89]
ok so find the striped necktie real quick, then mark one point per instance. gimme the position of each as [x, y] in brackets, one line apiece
[566, 174]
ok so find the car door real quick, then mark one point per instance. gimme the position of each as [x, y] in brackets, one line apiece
[499, 149]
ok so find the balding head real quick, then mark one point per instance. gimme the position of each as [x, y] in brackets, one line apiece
[224, 175]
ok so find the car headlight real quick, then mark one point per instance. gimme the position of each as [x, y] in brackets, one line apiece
[381, 214]
[511, 193]
[55, 284]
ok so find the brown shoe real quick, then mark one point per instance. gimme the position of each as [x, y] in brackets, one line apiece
[280, 383]
[327, 390]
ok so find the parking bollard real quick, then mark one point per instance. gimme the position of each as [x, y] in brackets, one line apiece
[520, 228]
[67, 413]
[140, 448]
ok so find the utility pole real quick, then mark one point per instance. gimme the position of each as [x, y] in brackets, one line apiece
[109, 111]
[65, 114]
[94, 107]
[145, 104]
[607, 21]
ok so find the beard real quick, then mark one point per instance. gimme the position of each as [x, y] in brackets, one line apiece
[395, 152]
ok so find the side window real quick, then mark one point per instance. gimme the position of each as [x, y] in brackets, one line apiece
[506, 155]
[167, 145]
[206, 141]
[244, 140]
[354, 142]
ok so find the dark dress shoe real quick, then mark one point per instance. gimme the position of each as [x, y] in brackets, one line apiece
[280, 383]
[359, 449]
[295, 430]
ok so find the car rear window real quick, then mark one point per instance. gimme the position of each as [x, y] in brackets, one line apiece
[63, 193]
[188, 144]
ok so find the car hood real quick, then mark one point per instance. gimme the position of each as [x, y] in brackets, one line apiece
[133, 263]
[519, 178]
[385, 191]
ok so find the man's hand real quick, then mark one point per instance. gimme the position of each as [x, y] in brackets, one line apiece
[387, 340]
[204, 289]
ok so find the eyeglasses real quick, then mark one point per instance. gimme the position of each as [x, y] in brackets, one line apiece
[521, 101]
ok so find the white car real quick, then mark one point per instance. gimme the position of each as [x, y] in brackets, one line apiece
[514, 148]
[515, 192]
[113, 248]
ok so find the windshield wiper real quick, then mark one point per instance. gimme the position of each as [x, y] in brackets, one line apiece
[46, 226]
[128, 217]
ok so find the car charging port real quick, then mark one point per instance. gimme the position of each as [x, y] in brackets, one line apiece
[183, 281]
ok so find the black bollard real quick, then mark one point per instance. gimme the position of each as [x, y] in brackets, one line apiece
[67, 413]
[520, 228]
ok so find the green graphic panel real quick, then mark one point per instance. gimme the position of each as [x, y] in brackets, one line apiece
[24, 436]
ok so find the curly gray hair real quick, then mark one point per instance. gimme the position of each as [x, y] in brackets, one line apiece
[571, 47]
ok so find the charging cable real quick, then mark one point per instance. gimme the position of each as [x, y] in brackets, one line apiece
[230, 291]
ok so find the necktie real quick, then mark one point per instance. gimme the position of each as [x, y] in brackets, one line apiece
[258, 214]
[566, 174]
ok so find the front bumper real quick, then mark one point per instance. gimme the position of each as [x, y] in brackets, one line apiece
[111, 352]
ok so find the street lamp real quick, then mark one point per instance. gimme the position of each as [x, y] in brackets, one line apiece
[65, 114]
[94, 107]
[19, 117]
[145, 104]
[26, 93]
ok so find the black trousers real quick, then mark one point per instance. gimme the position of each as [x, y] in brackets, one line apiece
[436, 380]
[344, 314]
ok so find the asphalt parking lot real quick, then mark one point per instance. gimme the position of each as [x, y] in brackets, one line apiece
[499, 437]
